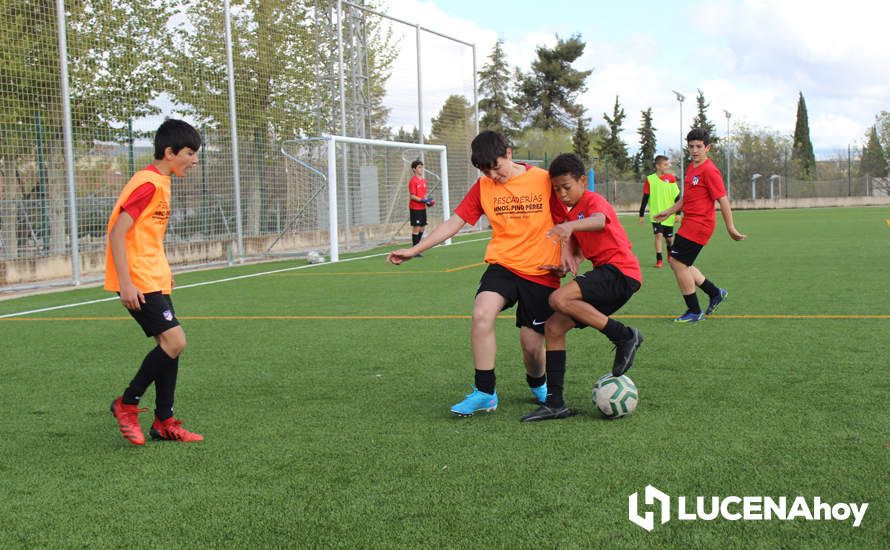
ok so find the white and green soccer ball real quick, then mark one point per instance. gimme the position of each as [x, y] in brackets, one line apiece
[315, 257]
[615, 397]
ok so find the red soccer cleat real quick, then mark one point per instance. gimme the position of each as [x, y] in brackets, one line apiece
[127, 417]
[172, 430]
[659, 263]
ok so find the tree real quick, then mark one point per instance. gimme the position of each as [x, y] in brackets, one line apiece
[873, 162]
[547, 94]
[499, 114]
[802, 147]
[757, 151]
[113, 74]
[581, 140]
[701, 120]
[882, 123]
[613, 149]
[280, 90]
[646, 156]
[454, 128]
[701, 117]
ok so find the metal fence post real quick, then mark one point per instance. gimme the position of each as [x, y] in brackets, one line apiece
[69, 146]
[236, 175]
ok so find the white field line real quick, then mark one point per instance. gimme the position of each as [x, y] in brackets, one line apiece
[213, 282]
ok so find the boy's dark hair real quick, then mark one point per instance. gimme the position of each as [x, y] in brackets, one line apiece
[699, 134]
[486, 148]
[416, 163]
[660, 158]
[176, 134]
[567, 163]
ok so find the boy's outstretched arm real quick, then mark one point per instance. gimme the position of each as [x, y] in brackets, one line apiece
[726, 212]
[661, 216]
[563, 231]
[441, 233]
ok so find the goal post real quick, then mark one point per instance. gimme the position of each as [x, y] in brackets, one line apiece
[352, 193]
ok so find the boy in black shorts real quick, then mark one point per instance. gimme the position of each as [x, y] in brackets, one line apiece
[660, 191]
[516, 198]
[593, 296]
[136, 268]
[702, 186]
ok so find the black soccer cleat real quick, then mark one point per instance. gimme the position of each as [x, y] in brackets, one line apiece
[625, 351]
[548, 413]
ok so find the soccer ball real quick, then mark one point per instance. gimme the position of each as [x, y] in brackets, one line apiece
[615, 397]
[315, 257]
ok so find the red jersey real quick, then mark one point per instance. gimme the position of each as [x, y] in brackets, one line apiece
[702, 186]
[417, 187]
[608, 246]
[139, 199]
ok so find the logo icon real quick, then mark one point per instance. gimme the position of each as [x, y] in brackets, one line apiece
[650, 496]
[168, 315]
[695, 180]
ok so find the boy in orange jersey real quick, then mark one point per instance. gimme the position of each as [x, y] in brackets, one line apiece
[516, 199]
[591, 298]
[136, 268]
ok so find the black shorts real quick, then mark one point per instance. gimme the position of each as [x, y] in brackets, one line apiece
[157, 314]
[666, 230]
[606, 288]
[534, 298]
[418, 217]
[685, 251]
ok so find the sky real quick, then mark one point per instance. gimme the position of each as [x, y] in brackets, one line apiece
[749, 57]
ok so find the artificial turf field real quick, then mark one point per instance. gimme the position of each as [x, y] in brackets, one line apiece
[323, 395]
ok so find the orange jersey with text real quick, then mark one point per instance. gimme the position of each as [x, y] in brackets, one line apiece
[146, 258]
[519, 213]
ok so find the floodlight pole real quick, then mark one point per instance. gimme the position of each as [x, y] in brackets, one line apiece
[726, 156]
[681, 98]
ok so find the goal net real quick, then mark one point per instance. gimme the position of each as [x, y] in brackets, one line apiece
[344, 194]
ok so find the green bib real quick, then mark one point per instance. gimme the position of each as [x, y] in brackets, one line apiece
[662, 195]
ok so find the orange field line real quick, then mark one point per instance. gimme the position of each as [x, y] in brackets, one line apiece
[410, 317]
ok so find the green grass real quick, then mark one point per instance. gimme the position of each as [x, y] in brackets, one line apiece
[335, 432]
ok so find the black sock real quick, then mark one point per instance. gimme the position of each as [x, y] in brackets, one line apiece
[415, 238]
[692, 303]
[420, 236]
[615, 331]
[658, 256]
[154, 362]
[165, 388]
[556, 371]
[535, 381]
[485, 380]
[709, 288]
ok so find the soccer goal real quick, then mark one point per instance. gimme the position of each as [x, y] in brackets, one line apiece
[348, 194]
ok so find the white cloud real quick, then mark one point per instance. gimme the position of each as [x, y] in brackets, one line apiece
[750, 57]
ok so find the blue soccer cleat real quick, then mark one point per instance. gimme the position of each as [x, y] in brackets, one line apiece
[476, 401]
[716, 301]
[540, 393]
[690, 317]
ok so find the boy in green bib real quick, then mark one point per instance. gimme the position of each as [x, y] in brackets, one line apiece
[660, 191]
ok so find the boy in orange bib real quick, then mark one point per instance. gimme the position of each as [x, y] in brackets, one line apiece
[136, 268]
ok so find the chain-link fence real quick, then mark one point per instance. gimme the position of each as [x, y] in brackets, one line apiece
[251, 78]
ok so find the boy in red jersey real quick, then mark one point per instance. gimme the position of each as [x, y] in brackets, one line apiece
[702, 186]
[516, 199]
[136, 268]
[418, 201]
[592, 297]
